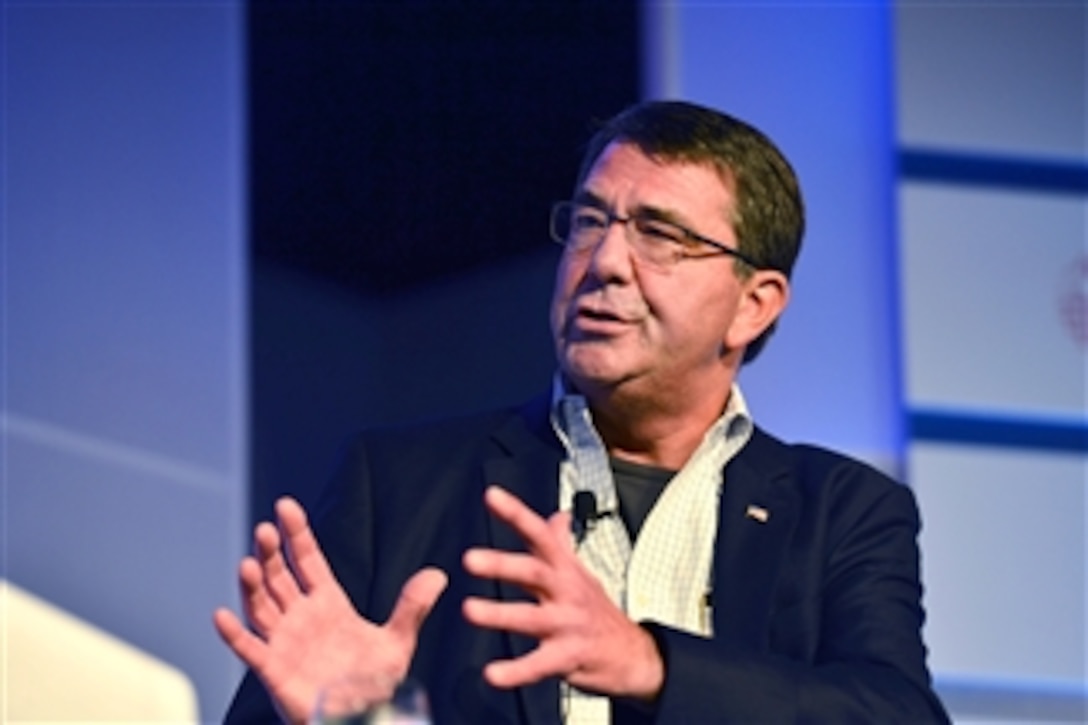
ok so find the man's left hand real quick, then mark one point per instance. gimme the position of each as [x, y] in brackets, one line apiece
[584, 638]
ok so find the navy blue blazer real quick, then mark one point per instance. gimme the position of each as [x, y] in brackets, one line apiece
[816, 611]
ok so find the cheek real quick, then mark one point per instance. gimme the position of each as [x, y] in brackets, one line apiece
[691, 315]
[566, 281]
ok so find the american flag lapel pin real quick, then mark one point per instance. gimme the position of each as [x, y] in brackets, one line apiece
[757, 513]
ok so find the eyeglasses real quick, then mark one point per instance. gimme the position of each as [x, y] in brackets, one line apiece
[581, 227]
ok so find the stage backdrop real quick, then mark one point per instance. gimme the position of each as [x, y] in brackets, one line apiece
[124, 320]
[125, 331]
[993, 144]
[942, 148]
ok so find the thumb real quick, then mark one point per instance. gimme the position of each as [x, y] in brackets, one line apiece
[416, 601]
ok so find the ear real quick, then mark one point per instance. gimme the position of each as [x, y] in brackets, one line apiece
[764, 295]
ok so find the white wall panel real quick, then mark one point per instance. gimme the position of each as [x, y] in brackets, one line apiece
[986, 273]
[1011, 76]
[993, 101]
[122, 496]
[1005, 560]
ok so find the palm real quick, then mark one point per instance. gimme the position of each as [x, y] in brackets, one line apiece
[306, 632]
[320, 640]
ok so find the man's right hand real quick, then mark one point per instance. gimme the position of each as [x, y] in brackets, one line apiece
[306, 633]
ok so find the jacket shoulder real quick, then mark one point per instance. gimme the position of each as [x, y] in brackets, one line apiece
[810, 464]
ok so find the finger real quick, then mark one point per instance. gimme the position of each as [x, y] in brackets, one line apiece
[528, 669]
[559, 523]
[249, 648]
[415, 602]
[305, 554]
[278, 577]
[525, 570]
[521, 617]
[529, 525]
[261, 609]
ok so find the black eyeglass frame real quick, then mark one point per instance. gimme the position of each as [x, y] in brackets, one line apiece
[611, 218]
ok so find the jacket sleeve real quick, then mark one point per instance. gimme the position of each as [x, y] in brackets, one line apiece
[867, 660]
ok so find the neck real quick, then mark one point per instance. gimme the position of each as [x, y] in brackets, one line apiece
[662, 436]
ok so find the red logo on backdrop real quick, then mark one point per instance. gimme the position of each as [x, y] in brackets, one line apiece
[1073, 300]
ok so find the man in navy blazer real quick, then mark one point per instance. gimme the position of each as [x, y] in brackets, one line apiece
[748, 581]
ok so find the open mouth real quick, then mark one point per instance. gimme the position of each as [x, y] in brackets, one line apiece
[591, 321]
[599, 315]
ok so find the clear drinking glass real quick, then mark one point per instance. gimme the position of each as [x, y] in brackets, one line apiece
[371, 701]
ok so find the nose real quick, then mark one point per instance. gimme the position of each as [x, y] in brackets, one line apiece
[610, 260]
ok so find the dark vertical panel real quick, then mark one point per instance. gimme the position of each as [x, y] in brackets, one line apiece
[396, 142]
[403, 158]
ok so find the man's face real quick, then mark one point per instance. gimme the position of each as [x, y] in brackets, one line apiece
[619, 322]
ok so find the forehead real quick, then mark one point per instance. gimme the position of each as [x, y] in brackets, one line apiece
[627, 179]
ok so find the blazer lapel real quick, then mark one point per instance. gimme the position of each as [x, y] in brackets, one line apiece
[527, 466]
[757, 517]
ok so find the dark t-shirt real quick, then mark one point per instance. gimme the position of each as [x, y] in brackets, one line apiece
[638, 487]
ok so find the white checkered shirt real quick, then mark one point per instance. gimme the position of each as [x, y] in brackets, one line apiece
[666, 576]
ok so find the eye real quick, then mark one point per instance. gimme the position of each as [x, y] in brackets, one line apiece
[587, 219]
[657, 230]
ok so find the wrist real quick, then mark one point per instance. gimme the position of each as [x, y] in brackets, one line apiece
[648, 676]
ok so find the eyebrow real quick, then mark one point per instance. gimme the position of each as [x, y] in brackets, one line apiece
[587, 197]
[584, 196]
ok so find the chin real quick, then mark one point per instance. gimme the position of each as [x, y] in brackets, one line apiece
[589, 369]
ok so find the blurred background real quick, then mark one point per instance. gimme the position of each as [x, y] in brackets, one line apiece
[233, 234]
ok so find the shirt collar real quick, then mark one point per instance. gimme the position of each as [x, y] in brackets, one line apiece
[734, 422]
